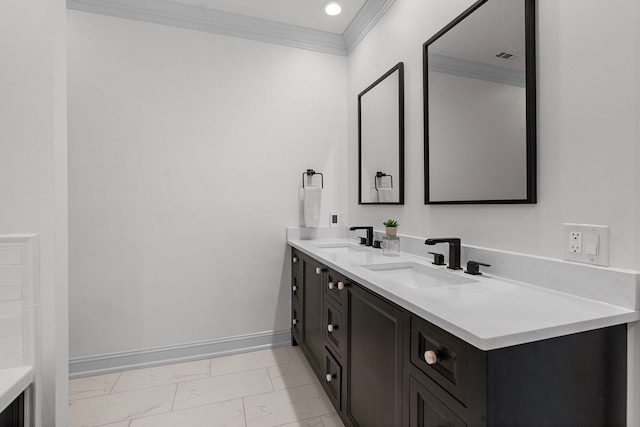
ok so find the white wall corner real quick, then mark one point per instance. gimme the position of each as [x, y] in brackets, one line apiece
[366, 19]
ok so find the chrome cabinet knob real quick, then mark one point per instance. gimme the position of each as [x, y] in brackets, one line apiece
[294, 321]
[330, 377]
[294, 288]
[295, 259]
[318, 270]
[341, 285]
[431, 357]
[331, 327]
[330, 285]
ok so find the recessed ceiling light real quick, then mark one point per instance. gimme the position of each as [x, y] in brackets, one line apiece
[332, 8]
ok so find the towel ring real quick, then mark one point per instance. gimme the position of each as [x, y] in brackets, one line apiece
[311, 172]
[380, 175]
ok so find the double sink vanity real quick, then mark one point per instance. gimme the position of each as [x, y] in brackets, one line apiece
[398, 341]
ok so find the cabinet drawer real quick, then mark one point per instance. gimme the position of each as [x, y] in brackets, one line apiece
[336, 286]
[335, 330]
[295, 260]
[447, 357]
[296, 323]
[296, 288]
[426, 410]
[332, 380]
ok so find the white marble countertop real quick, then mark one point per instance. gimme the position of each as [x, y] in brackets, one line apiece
[489, 313]
[13, 382]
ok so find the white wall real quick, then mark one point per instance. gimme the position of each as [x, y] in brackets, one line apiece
[186, 153]
[588, 134]
[586, 127]
[33, 170]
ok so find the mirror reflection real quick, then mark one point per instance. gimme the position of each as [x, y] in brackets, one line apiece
[480, 106]
[381, 140]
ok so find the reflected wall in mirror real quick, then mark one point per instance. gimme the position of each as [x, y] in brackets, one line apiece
[381, 140]
[479, 106]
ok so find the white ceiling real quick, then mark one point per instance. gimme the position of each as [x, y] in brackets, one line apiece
[300, 13]
[501, 24]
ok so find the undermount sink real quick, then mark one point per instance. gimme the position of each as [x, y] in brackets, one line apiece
[418, 276]
[341, 248]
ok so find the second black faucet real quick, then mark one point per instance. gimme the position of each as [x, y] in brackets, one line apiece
[369, 239]
[454, 250]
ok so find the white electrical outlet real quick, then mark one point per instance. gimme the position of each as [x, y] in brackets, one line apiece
[586, 243]
[575, 242]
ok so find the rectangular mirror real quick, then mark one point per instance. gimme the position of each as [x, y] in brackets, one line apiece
[480, 106]
[381, 140]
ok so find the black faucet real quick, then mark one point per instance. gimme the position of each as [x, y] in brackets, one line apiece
[454, 250]
[369, 240]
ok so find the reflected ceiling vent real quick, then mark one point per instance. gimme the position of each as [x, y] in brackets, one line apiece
[506, 55]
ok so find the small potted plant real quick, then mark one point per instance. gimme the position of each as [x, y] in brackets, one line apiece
[391, 227]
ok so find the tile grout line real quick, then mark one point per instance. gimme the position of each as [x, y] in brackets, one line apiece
[319, 417]
[115, 382]
[175, 394]
[244, 413]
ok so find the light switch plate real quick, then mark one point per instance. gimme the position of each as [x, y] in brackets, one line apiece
[586, 243]
[338, 219]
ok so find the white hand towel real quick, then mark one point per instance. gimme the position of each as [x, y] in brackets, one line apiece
[312, 198]
[385, 195]
[373, 195]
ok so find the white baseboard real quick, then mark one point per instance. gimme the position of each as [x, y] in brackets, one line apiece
[122, 361]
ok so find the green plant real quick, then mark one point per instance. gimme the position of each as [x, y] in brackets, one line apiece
[391, 223]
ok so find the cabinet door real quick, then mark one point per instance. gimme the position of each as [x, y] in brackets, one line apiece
[312, 310]
[374, 367]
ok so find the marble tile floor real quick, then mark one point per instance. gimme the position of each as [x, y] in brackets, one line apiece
[265, 388]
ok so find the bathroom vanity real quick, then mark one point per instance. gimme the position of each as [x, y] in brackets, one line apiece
[15, 393]
[394, 344]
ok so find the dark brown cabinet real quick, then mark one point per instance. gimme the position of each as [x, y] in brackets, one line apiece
[307, 307]
[381, 365]
[13, 415]
[572, 380]
[428, 410]
[374, 366]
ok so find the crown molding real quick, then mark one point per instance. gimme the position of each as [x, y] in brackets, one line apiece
[364, 21]
[166, 12]
[475, 70]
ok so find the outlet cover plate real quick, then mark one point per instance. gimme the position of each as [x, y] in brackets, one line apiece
[338, 219]
[597, 235]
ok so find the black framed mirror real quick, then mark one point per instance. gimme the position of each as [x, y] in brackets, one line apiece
[480, 106]
[381, 140]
